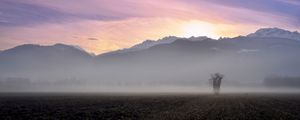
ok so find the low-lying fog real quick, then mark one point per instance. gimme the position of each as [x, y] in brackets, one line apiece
[249, 65]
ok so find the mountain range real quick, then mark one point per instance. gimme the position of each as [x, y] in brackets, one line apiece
[245, 60]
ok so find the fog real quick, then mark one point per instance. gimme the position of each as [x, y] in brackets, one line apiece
[180, 67]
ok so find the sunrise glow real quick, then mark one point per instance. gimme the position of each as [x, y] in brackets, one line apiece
[101, 26]
[198, 28]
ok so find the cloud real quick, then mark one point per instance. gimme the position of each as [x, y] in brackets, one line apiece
[13, 13]
[92, 38]
[28, 13]
[292, 2]
[119, 9]
[114, 34]
[279, 8]
[123, 23]
[232, 11]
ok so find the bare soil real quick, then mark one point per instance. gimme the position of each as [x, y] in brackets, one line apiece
[155, 107]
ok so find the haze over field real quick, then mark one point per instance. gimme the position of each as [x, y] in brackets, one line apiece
[149, 45]
[150, 59]
[171, 64]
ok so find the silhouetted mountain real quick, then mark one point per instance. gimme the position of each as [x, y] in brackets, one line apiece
[275, 33]
[144, 45]
[28, 59]
[150, 43]
[57, 52]
[240, 58]
[245, 60]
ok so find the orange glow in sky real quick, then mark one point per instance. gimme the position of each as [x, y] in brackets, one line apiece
[101, 26]
[198, 28]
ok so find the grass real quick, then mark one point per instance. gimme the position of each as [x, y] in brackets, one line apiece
[156, 107]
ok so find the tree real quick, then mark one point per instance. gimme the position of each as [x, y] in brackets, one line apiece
[216, 80]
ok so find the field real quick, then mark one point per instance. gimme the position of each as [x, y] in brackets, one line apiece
[155, 107]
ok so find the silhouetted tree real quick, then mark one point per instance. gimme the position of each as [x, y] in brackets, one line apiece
[216, 80]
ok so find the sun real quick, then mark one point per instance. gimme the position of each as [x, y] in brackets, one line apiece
[198, 28]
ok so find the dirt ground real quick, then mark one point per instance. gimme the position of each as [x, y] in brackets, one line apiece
[155, 107]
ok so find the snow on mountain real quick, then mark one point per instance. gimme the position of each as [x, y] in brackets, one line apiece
[147, 44]
[247, 50]
[166, 40]
[144, 45]
[275, 33]
[200, 38]
[150, 43]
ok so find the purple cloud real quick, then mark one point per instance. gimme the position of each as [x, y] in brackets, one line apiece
[51, 21]
[285, 8]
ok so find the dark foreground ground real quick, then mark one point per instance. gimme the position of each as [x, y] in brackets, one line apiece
[156, 107]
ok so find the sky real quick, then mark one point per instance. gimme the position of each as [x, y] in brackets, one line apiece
[101, 26]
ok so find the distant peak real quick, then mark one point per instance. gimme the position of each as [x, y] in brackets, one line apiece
[274, 29]
[148, 41]
[199, 38]
[65, 46]
[275, 32]
[26, 46]
[60, 44]
[55, 46]
[38, 45]
[170, 37]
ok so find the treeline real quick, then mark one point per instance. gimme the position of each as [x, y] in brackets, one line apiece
[21, 83]
[282, 81]
[14, 83]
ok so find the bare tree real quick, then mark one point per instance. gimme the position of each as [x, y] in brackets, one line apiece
[216, 80]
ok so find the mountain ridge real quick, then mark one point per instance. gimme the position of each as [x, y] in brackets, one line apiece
[275, 32]
[260, 33]
[184, 61]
